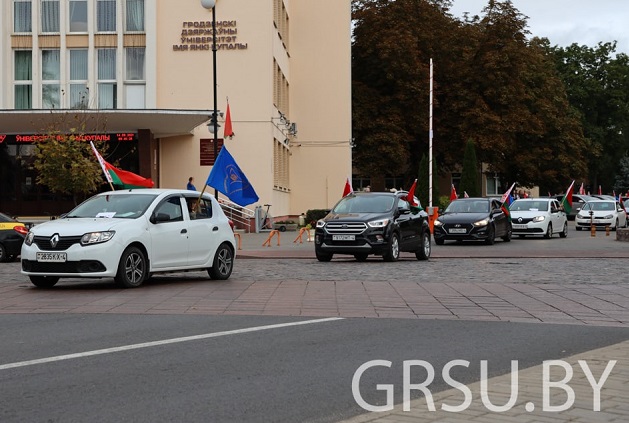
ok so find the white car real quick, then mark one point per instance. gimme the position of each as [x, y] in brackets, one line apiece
[130, 235]
[538, 216]
[601, 213]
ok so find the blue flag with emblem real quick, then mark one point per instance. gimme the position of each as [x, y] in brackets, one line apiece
[227, 178]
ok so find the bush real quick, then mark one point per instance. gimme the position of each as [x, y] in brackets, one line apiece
[315, 214]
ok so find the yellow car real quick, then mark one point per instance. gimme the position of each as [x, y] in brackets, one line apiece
[12, 235]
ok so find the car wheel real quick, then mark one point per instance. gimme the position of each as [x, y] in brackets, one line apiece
[491, 236]
[549, 231]
[223, 263]
[564, 233]
[361, 256]
[132, 269]
[3, 254]
[440, 241]
[508, 235]
[323, 256]
[44, 281]
[424, 250]
[393, 253]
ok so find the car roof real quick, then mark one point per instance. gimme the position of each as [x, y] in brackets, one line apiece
[474, 199]
[150, 191]
[535, 199]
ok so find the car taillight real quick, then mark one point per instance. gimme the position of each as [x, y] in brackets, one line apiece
[21, 230]
[231, 224]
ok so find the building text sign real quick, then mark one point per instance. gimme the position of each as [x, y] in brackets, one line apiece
[197, 36]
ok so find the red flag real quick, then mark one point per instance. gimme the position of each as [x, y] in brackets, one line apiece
[453, 195]
[228, 123]
[600, 191]
[465, 194]
[410, 197]
[348, 188]
[566, 201]
[582, 190]
[127, 179]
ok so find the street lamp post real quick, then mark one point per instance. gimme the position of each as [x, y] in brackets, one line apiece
[211, 4]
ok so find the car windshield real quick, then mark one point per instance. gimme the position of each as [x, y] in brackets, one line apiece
[126, 206]
[529, 205]
[467, 206]
[365, 204]
[600, 206]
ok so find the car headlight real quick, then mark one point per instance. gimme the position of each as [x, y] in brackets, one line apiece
[29, 238]
[96, 237]
[483, 222]
[609, 216]
[438, 223]
[539, 218]
[320, 224]
[378, 223]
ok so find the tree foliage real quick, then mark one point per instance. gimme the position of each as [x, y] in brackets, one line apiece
[491, 85]
[64, 160]
[470, 178]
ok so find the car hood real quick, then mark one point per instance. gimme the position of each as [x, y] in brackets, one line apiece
[354, 217]
[80, 226]
[527, 214]
[462, 217]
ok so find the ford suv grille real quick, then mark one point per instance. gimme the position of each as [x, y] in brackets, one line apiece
[345, 227]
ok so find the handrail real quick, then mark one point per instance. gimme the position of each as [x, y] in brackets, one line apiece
[241, 216]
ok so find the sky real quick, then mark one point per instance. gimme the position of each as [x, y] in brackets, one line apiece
[563, 22]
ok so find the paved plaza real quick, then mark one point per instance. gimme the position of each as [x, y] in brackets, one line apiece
[580, 280]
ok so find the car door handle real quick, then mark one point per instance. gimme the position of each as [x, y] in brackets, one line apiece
[215, 228]
[184, 231]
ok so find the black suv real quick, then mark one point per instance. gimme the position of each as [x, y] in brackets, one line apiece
[380, 223]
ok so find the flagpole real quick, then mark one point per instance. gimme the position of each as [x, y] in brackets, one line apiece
[100, 160]
[430, 141]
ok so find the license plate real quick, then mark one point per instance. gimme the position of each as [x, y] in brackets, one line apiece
[52, 257]
[343, 237]
[458, 231]
[516, 226]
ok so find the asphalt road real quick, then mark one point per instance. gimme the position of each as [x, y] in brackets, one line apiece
[284, 374]
[163, 364]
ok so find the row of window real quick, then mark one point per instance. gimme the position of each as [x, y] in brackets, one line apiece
[70, 88]
[76, 14]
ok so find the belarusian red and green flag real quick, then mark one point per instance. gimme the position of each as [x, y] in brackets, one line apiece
[566, 201]
[121, 178]
[504, 200]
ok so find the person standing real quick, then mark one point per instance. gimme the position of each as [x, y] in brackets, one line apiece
[190, 185]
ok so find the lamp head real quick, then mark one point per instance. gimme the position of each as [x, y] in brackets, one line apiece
[208, 4]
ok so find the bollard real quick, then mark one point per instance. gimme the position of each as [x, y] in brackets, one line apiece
[592, 230]
[237, 236]
[271, 234]
[607, 229]
[301, 232]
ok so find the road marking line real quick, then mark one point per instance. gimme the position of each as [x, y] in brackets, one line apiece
[163, 342]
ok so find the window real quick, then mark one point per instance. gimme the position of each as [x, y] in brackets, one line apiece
[493, 184]
[135, 84]
[107, 87]
[105, 15]
[23, 71]
[170, 210]
[22, 16]
[135, 15]
[280, 166]
[79, 94]
[50, 15]
[51, 98]
[78, 15]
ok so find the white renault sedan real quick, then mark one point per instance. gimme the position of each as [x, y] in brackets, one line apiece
[130, 235]
[538, 216]
[601, 213]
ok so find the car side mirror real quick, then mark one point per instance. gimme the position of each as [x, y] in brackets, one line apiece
[159, 217]
[403, 210]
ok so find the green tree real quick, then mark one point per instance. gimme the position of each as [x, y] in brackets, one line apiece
[470, 180]
[422, 190]
[64, 160]
[598, 88]
[621, 184]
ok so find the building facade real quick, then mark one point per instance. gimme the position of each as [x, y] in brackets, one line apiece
[144, 70]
